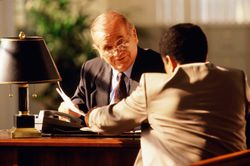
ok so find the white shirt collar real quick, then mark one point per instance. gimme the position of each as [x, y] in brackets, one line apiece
[127, 72]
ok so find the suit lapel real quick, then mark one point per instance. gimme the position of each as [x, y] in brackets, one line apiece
[136, 71]
[138, 67]
[103, 82]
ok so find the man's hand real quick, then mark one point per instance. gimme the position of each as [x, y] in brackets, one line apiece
[65, 109]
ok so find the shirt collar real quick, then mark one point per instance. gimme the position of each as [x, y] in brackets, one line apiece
[127, 72]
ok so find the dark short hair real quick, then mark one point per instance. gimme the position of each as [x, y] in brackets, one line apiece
[186, 42]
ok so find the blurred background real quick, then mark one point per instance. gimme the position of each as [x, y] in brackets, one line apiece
[64, 24]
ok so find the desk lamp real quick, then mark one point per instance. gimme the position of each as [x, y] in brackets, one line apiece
[23, 61]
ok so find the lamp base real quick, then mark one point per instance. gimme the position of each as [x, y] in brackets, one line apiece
[25, 133]
[24, 127]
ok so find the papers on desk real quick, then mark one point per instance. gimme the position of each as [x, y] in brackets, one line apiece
[68, 101]
[132, 133]
[85, 129]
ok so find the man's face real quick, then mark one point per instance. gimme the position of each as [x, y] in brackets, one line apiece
[117, 46]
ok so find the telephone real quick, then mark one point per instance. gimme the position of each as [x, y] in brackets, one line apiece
[52, 122]
[52, 125]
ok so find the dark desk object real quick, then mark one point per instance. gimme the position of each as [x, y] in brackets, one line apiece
[68, 151]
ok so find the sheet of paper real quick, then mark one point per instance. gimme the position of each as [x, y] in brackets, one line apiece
[68, 101]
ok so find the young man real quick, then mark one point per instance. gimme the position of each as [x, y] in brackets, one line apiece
[195, 111]
[116, 41]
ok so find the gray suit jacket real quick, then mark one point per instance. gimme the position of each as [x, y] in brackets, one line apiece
[197, 113]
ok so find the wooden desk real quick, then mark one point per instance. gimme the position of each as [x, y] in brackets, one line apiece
[240, 158]
[68, 151]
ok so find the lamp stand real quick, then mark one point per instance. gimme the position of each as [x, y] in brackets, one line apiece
[24, 121]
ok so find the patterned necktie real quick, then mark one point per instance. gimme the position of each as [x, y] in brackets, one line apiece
[120, 90]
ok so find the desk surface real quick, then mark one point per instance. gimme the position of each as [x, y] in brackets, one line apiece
[71, 142]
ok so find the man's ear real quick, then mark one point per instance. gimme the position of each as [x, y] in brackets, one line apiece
[97, 50]
[95, 46]
[134, 34]
[171, 63]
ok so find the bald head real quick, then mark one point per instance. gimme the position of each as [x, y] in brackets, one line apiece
[109, 22]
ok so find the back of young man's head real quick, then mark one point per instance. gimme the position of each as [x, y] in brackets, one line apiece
[185, 42]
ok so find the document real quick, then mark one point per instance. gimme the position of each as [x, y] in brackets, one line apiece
[68, 101]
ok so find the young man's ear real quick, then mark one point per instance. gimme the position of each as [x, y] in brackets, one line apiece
[170, 63]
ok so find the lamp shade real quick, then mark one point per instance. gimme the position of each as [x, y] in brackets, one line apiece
[26, 61]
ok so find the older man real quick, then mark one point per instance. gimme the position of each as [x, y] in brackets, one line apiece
[115, 39]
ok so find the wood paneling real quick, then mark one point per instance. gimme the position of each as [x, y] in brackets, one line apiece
[69, 151]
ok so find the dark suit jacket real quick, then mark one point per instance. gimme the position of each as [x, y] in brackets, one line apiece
[95, 79]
